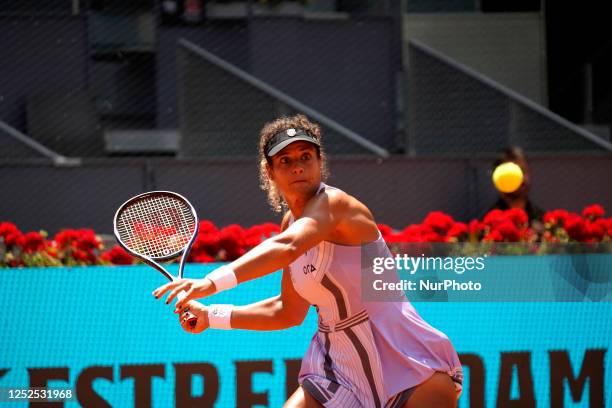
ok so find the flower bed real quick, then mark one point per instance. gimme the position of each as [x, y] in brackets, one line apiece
[558, 226]
[72, 247]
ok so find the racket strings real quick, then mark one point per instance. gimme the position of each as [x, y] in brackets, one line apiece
[156, 226]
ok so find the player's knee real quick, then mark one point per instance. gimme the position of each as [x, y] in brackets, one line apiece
[438, 391]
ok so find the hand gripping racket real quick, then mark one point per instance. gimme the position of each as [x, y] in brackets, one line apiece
[158, 226]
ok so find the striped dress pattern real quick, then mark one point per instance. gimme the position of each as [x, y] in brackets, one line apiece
[364, 353]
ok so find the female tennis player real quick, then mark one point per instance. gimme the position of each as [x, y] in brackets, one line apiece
[364, 354]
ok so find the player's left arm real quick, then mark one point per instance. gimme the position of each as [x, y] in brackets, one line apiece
[319, 219]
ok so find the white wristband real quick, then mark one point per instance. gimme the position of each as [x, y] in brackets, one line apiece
[219, 316]
[223, 278]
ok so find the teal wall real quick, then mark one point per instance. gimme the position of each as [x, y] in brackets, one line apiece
[75, 318]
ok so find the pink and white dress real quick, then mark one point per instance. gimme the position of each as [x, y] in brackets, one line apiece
[364, 353]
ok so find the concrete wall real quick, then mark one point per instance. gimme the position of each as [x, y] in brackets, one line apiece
[227, 41]
[399, 191]
[510, 48]
[39, 55]
[342, 68]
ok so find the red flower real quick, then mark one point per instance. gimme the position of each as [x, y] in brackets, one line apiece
[597, 229]
[576, 228]
[385, 230]
[258, 233]
[51, 248]
[13, 263]
[494, 218]
[253, 236]
[206, 242]
[412, 233]
[431, 236]
[528, 234]
[548, 236]
[33, 242]
[14, 239]
[508, 231]
[556, 217]
[87, 240]
[117, 256]
[80, 245]
[475, 227]
[82, 256]
[397, 238]
[7, 228]
[494, 236]
[593, 212]
[233, 242]
[439, 221]
[518, 216]
[269, 229]
[207, 226]
[65, 238]
[458, 230]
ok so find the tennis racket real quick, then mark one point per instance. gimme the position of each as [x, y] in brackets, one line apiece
[158, 226]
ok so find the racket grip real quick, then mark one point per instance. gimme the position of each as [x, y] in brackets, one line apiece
[191, 319]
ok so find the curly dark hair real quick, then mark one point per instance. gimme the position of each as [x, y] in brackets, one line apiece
[270, 129]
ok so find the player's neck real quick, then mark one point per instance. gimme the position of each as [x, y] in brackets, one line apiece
[297, 206]
[297, 200]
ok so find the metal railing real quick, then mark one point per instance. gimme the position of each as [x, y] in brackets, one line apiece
[18, 145]
[194, 93]
[455, 109]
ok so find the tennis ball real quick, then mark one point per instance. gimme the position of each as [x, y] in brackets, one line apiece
[507, 177]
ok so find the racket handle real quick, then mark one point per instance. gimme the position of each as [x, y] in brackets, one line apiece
[191, 319]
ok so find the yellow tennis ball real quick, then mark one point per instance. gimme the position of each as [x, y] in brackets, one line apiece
[507, 177]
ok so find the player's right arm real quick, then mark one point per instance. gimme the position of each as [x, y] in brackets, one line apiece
[285, 310]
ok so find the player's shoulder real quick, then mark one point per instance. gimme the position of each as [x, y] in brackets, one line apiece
[334, 200]
[337, 195]
[340, 200]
